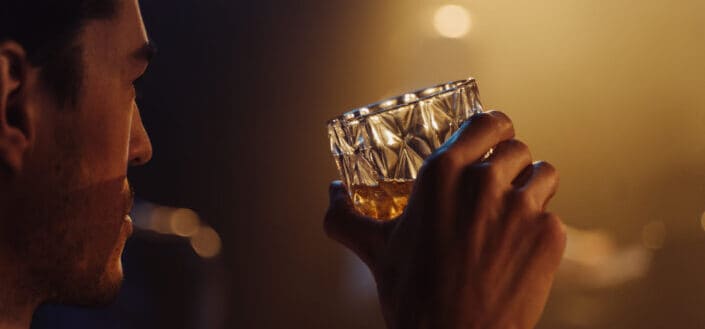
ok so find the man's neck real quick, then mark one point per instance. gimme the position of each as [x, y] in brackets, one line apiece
[17, 304]
[16, 323]
[15, 316]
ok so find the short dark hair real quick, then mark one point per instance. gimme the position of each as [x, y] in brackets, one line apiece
[47, 29]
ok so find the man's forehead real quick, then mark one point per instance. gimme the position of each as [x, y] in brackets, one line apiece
[123, 35]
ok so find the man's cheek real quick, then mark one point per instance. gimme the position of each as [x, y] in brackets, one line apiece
[108, 153]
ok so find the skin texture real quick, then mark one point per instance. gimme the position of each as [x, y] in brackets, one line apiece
[475, 247]
[63, 169]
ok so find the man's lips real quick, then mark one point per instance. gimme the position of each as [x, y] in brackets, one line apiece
[129, 199]
[128, 225]
[129, 195]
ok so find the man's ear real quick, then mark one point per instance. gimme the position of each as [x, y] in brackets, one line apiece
[15, 130]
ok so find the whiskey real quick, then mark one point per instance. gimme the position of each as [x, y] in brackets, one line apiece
[385, 201]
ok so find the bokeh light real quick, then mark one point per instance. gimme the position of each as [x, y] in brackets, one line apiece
[159, 219]
[589, 248]
[206, 243]
[452, 21]
[593, 259]
[184, 222]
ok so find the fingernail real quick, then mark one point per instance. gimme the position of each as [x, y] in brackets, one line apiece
[335, 186]
[338, 194]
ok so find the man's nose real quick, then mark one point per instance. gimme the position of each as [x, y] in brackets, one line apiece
[140, 145]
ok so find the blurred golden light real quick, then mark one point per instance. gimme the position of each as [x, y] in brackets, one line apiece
[702, 221]
[206, 242]
[593, 259]
[452, 21]
[653, 235]
[159, 220]
[589, 248]
[184, 222]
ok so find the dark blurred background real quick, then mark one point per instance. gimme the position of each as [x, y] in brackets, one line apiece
[610, 91]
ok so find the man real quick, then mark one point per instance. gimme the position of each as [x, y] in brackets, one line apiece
[69, 126]
[475, 249]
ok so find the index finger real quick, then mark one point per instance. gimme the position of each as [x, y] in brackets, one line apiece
[439, 177]
[478, 135]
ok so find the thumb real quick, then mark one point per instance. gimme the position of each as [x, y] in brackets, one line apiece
[363, 235]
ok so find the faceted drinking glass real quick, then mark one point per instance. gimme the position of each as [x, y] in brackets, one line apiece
[380, 148]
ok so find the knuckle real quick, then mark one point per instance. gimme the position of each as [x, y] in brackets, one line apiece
[514, 147]
[436, 170]
[554, 232]
[481, 119]
[485, 173]
[523, 201]
[521, 147]
[486, 122]
[445, 161]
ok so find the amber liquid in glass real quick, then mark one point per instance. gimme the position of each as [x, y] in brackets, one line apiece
[385, 201]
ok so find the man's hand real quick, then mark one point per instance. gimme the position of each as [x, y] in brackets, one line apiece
[475, 247]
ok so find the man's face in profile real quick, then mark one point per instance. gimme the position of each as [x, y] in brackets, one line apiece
[67, 209]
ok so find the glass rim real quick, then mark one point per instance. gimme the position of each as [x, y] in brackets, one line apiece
[400, 101]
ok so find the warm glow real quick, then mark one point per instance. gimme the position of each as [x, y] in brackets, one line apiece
[589, 248]
[184, 222]
[593, 259]
[452, 21]
[159, 220]
[206, 243]
[653, 235]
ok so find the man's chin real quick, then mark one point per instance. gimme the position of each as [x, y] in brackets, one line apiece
[95, 294]
[96, 290]
[108, 287]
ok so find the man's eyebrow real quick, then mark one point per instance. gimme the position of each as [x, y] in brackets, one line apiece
[146, 52]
